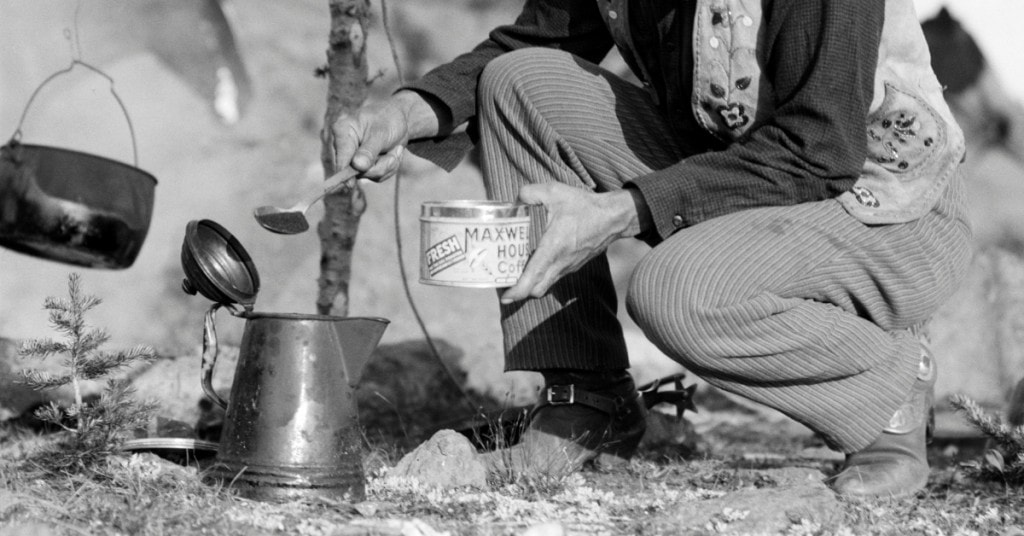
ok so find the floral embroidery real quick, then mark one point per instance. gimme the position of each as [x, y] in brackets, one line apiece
[902, 133]
[734, 115]
[727, 77]
[865, 197]
[717, 16]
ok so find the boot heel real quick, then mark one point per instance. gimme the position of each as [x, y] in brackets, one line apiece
[618, 453]
[622, 444]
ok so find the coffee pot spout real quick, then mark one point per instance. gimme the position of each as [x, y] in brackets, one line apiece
[358, 337]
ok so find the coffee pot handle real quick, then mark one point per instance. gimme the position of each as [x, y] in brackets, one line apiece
[210, 351]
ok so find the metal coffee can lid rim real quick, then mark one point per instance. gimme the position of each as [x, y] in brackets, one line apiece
[474, 209]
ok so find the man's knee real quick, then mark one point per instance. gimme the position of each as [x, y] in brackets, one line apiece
[675, 314]
[505, 71]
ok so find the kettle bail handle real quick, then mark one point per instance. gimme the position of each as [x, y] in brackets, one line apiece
[210, 351]
[16, 137]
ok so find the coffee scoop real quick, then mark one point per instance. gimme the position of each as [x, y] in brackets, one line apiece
[292, 220]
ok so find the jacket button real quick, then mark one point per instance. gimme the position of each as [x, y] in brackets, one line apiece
[677, 221]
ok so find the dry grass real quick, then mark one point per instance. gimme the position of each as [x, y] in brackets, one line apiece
[142, 494]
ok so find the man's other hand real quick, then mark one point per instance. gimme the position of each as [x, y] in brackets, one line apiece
[580, 225]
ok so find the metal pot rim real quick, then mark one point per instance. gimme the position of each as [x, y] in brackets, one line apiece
[17, 145]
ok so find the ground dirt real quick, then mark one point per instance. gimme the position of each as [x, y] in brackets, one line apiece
[724, 470]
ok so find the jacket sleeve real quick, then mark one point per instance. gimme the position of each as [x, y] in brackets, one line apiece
[575, 26]
[820, 59]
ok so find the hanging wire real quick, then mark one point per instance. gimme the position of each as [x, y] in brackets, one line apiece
[398, 228]
[131, 129]
[72, 36]
[77, 52]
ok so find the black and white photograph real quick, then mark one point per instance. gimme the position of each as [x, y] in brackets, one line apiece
[511, 267]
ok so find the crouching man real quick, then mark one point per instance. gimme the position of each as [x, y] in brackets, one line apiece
[793, 165]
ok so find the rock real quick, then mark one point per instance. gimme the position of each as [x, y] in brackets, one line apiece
[798, 497]
[977, 336]
[447, 460]
[175, 383]
[14, 397]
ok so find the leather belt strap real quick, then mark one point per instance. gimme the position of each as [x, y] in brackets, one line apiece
[560, 395]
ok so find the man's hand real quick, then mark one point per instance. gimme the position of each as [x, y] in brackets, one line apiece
[580, 225]
[373, 139]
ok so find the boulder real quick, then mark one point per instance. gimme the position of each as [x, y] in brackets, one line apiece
[15, 398]
[447, 460]
[175, 383]
[977, 337]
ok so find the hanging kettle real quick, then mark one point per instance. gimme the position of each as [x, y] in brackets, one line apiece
[73, 207]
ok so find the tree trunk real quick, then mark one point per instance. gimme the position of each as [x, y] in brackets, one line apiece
[346, 91]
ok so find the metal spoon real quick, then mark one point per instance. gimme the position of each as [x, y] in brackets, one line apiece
[292, 220]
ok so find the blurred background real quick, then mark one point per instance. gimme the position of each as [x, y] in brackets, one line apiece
[226, 112]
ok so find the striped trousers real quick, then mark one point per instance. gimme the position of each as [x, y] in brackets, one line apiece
[801, 308]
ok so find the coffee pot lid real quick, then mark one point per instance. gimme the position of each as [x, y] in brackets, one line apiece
[217, 266]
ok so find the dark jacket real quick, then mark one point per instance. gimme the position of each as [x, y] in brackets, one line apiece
[819, 57]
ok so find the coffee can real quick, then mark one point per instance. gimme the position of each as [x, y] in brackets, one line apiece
[469, 243]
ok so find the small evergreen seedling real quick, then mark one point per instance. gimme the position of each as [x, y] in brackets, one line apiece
[95, 430]
[1006, 461]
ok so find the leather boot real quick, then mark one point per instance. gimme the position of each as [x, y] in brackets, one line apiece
[581, 416]
[896, 464]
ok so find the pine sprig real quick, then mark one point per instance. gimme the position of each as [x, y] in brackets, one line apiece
[103, 363]
[54, 414]
[89, 341]
[43, 348]
[39, 380]
[1008, 437]
[1005, 463]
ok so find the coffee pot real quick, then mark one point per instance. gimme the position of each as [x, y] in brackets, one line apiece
[291, 424]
